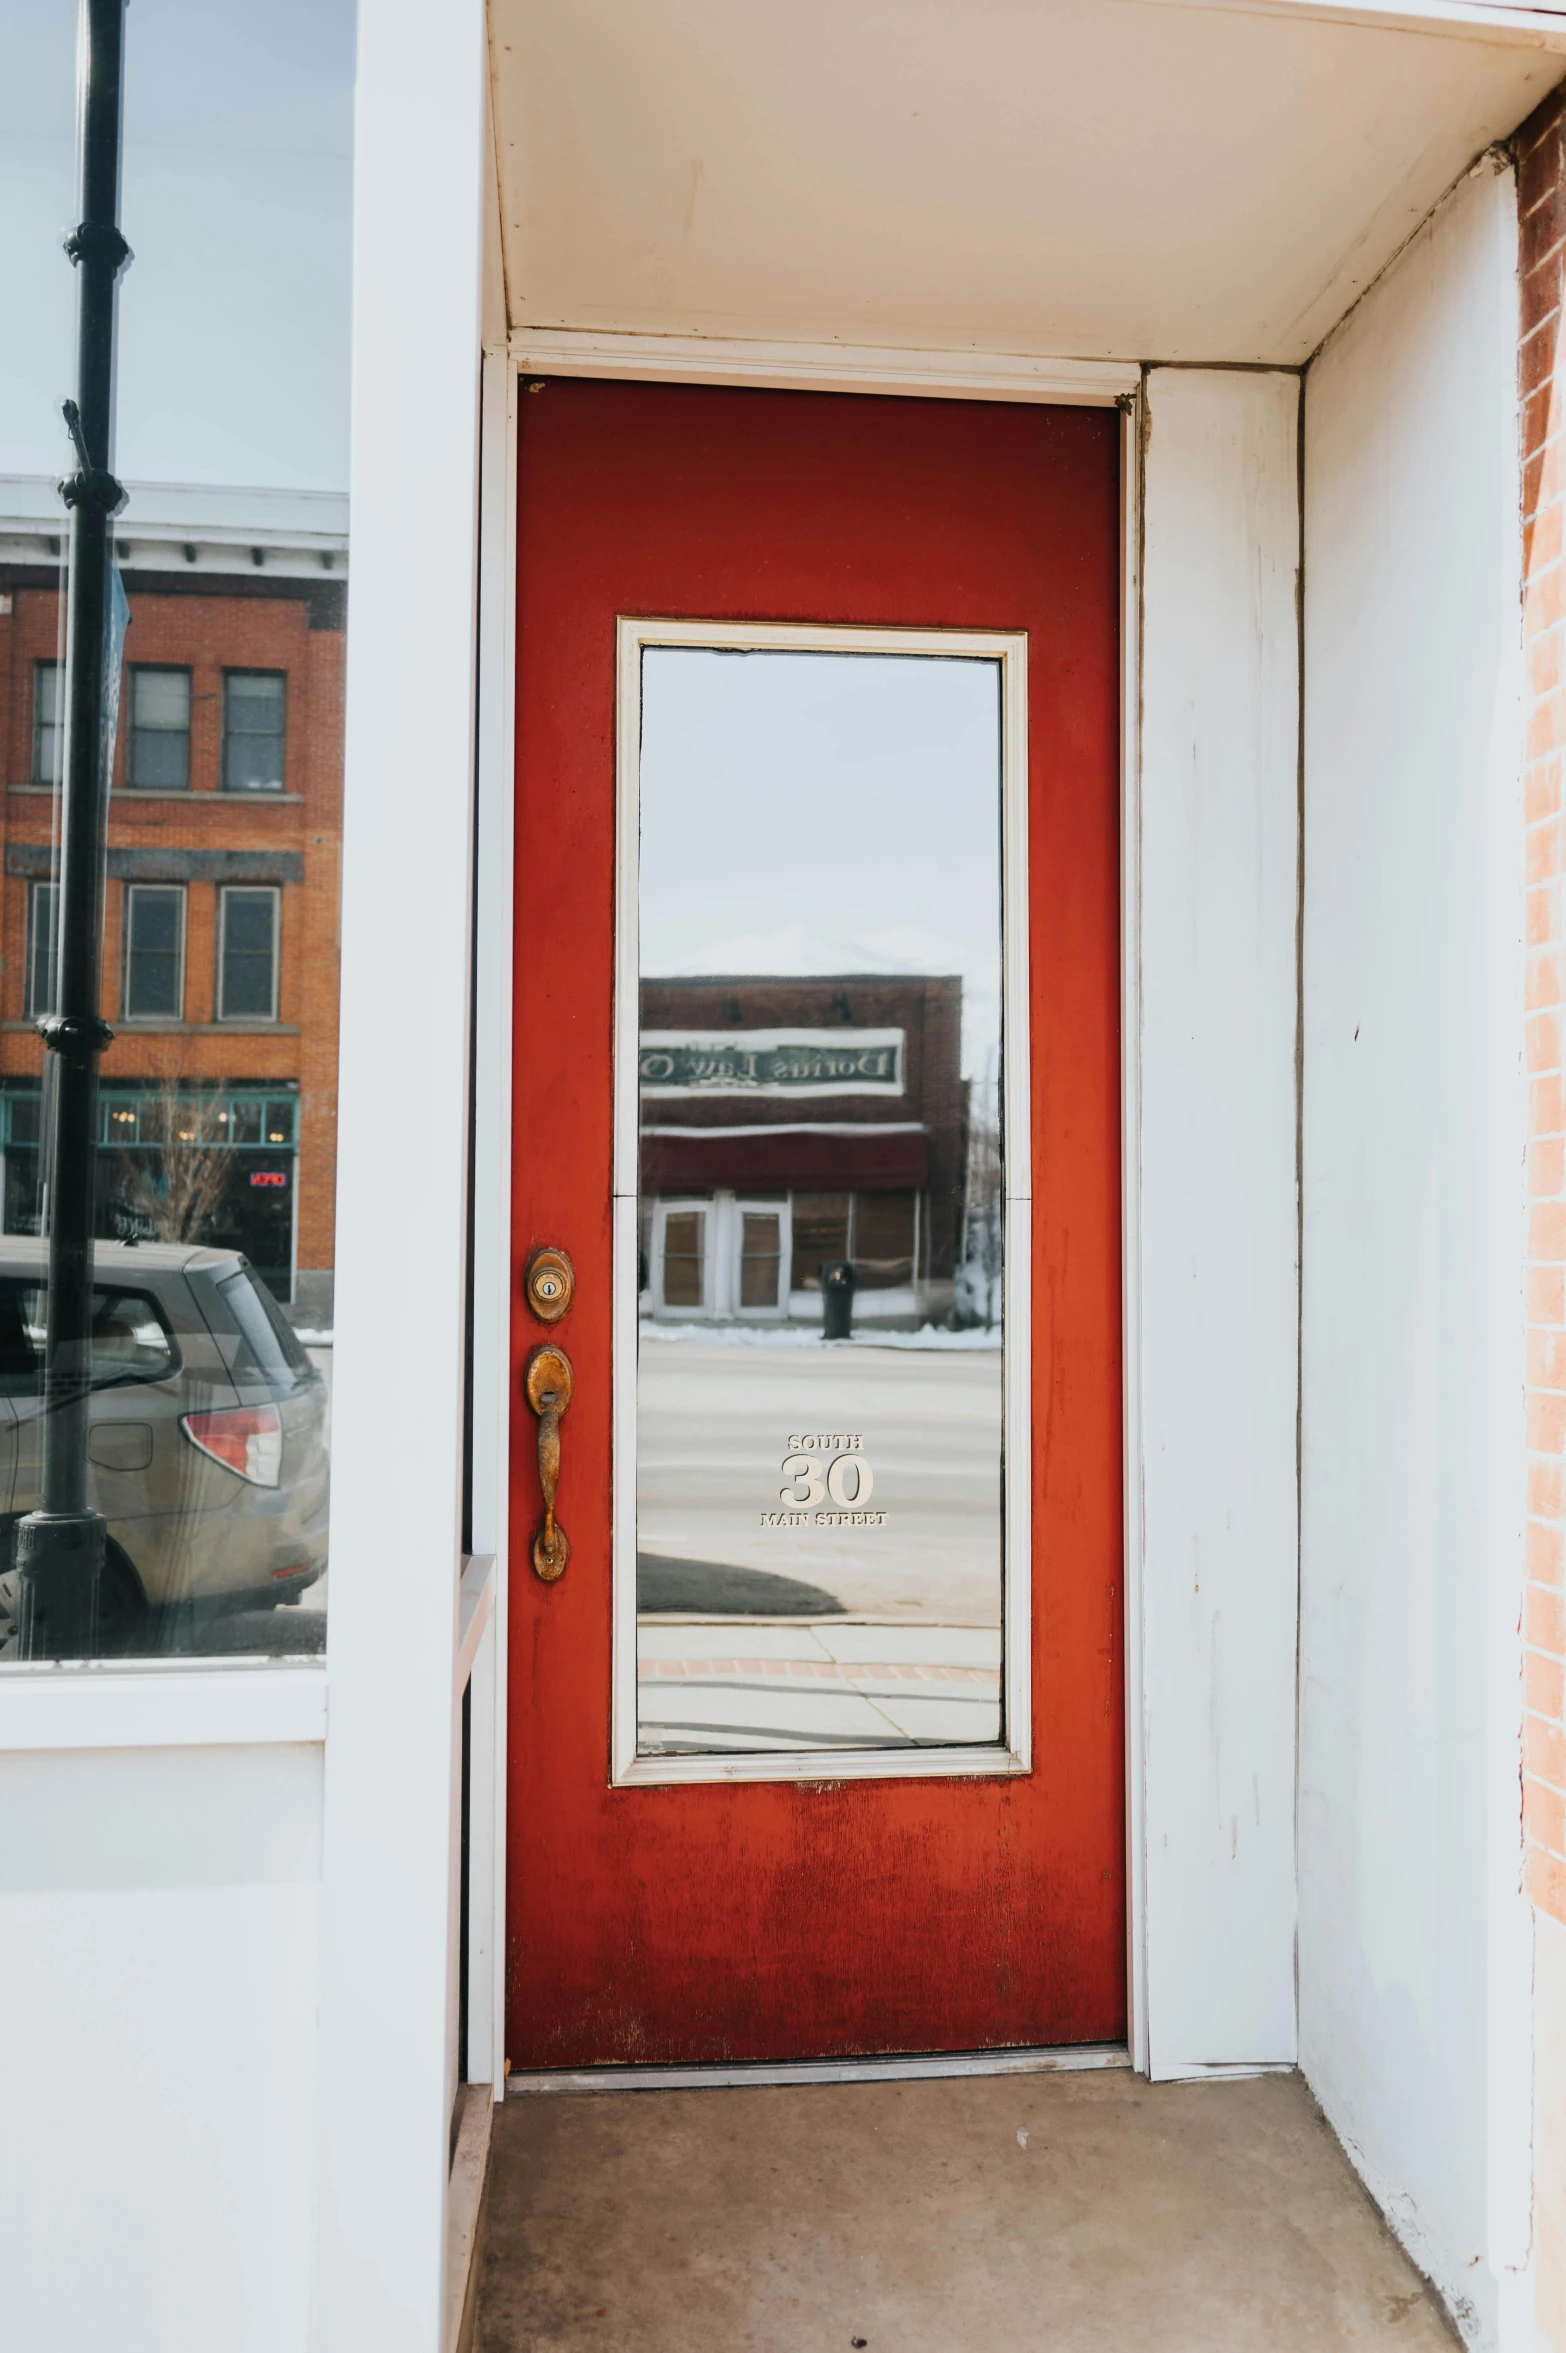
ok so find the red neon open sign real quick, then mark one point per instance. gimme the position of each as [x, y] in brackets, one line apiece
[267, 1176]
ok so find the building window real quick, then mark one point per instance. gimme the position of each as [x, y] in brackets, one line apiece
[159, 730]
[46, 722]
[247, 955]
[684, 1258]
[253, 731]
[43, 900]
[154, 986]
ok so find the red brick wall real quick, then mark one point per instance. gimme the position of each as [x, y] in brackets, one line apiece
[208, 633]
[1541, 149]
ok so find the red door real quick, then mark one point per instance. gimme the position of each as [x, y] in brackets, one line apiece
[778, 1909]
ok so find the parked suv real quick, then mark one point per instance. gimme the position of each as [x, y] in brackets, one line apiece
[206, 1442]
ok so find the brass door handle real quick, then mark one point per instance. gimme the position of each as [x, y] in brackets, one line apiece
[547, 1382]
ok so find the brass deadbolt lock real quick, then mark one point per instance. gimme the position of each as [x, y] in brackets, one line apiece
[549, 1283]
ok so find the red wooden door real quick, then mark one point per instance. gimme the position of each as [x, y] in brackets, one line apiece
[776, 1920]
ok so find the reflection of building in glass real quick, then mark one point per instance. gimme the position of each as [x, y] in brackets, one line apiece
[218, 1111]
[792, 1124]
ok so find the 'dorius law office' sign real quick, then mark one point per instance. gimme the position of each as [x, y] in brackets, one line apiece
[772, 1062]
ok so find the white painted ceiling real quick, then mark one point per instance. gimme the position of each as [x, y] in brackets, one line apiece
[1129, 179]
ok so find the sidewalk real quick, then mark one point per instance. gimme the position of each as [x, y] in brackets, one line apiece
[1086, 2213]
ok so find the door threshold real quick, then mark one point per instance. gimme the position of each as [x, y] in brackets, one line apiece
[1056, 2059]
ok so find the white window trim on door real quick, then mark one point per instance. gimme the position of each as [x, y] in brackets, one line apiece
[1014, 1752]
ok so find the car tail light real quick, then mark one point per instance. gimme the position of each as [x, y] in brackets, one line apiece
[247, 1439]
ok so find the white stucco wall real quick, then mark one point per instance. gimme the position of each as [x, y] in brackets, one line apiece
[1413, 1941]
[159, 1955]
[1213, 1355]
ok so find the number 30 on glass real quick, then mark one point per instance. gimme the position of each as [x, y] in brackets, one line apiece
[848, 1479]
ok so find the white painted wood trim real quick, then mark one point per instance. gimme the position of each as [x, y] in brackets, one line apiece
[190, 1704]
[1131, 1214]
[492, 1117]
[1058, 2059]
[390, 1809]
[823, 367]
[1218, 1227]
[1015, 1753]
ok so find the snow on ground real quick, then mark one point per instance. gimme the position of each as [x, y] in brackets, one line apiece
[931, 1336]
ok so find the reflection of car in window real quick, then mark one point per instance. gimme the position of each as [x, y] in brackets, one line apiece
[206, 1439]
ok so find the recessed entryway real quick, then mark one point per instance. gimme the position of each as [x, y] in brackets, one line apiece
[1086, 2213]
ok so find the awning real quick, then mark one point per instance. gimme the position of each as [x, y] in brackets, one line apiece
[819, 1159]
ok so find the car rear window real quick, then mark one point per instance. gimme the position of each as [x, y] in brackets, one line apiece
[268, 1349]
[131, 1340]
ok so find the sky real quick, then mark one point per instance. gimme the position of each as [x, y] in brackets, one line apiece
[237, 202]
[807, 813]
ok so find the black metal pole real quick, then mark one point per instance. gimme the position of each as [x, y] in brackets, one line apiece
[60, 1547]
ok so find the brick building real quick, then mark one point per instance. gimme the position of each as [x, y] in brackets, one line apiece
[790, 1122]
[218, 1107]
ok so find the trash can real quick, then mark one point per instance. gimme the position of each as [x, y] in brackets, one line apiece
[839, 1279]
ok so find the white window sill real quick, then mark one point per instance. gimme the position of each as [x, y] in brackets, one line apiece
[200, 1703]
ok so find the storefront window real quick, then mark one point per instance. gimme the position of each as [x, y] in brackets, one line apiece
[210, 1198]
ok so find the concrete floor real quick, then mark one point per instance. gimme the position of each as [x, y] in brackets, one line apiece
[1017, 2214]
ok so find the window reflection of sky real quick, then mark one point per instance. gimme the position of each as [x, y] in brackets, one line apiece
[233, 330]
[824, 813]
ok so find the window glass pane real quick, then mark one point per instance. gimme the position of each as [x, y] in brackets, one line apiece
[43, 900]
[268, 1350]
[253, 731]
[820, 1236]
[249, 955]
[132, 1338]
[683, 1237]
[760, 1257]
[212, 1207]
[160, 730]
[884, 1239]
[46, 723]
[160, 698]
[154, 952]
[819, 1373]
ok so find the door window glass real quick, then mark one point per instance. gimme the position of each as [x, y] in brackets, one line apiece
[820, 1535]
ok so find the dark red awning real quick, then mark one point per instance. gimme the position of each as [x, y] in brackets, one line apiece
[820, 1161]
